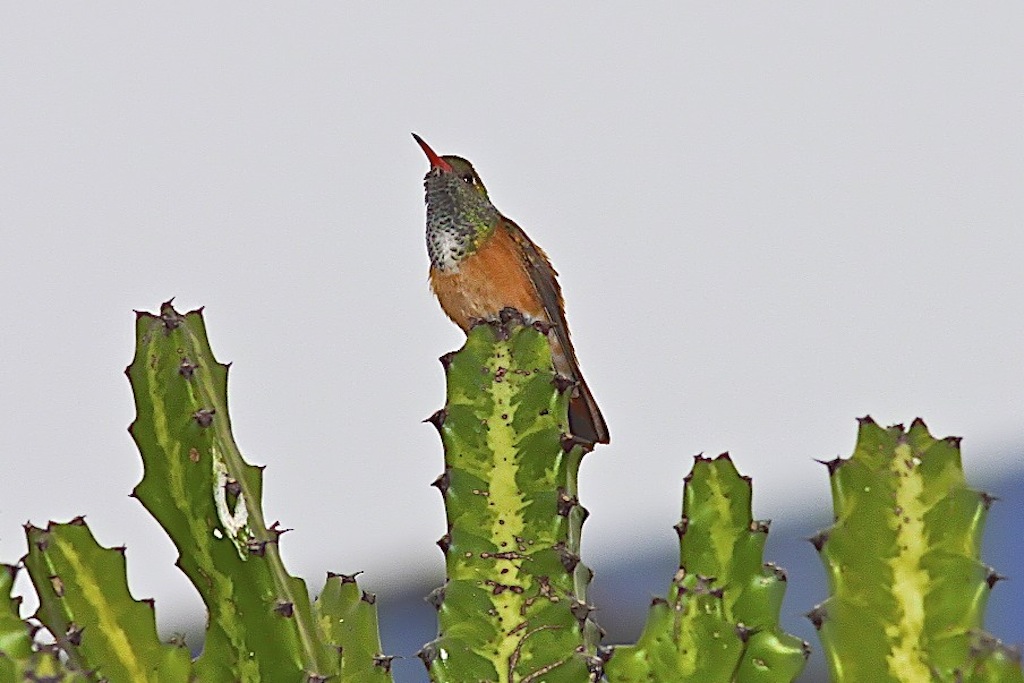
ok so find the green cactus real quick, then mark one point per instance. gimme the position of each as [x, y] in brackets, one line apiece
[514, 604]
[84, 601]
[720, 621]
[908, 589]
[262, 625]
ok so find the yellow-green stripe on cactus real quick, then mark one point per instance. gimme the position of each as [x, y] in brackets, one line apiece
[720, 620]
[514, 604]
[908, 589]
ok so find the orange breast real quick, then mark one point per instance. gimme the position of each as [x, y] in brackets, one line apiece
[493, 277]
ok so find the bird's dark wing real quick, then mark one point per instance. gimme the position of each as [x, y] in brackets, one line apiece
[545, 280]
[585, 419]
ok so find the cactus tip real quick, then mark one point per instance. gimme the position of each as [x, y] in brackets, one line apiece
[866, 421]
[368, 597]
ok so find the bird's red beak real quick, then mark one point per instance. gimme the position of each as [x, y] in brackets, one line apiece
[435, 161]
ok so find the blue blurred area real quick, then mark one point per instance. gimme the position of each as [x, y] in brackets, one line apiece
[623, 590]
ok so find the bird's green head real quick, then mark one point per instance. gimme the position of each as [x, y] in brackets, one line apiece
[459, 213]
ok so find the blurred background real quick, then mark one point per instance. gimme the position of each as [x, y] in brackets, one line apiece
[769, 220]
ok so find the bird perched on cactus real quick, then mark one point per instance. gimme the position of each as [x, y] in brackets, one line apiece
[482, 263]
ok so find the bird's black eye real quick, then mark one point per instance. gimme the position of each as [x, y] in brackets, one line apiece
[470, 180]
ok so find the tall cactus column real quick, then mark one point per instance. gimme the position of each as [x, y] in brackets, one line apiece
[908, 588]
[514, 604]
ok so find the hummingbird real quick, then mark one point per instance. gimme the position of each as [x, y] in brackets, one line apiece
[482, 263]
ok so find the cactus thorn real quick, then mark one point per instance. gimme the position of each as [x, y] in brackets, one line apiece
[284, 608]
[74, 634]
[169, 317]
[580, 610]
[866, 421]
[832, 465]
[443, 481]
[187, 368]
[817, 616]
[565, 502]
[954, 441]
[658, 600]
[744, 632]
[436, 597]
[568, 558]
[204, 416]
[819, 539]
[444, 543]
[570, 441]
[724, 456]
[276, 531]
[563, 383]
[779, 572]
[346, 578]
[383, 661]
[542, 326]
[437, 419]
[918, 423]
[987, 499]
[317, 678]
[77, 521]
[760, 526]
[446, 359]
[993, 578]
[681, 526]
[57, 585]
[368, 597]
[427, 653]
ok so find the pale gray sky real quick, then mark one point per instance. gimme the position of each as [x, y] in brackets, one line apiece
[769, 219]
